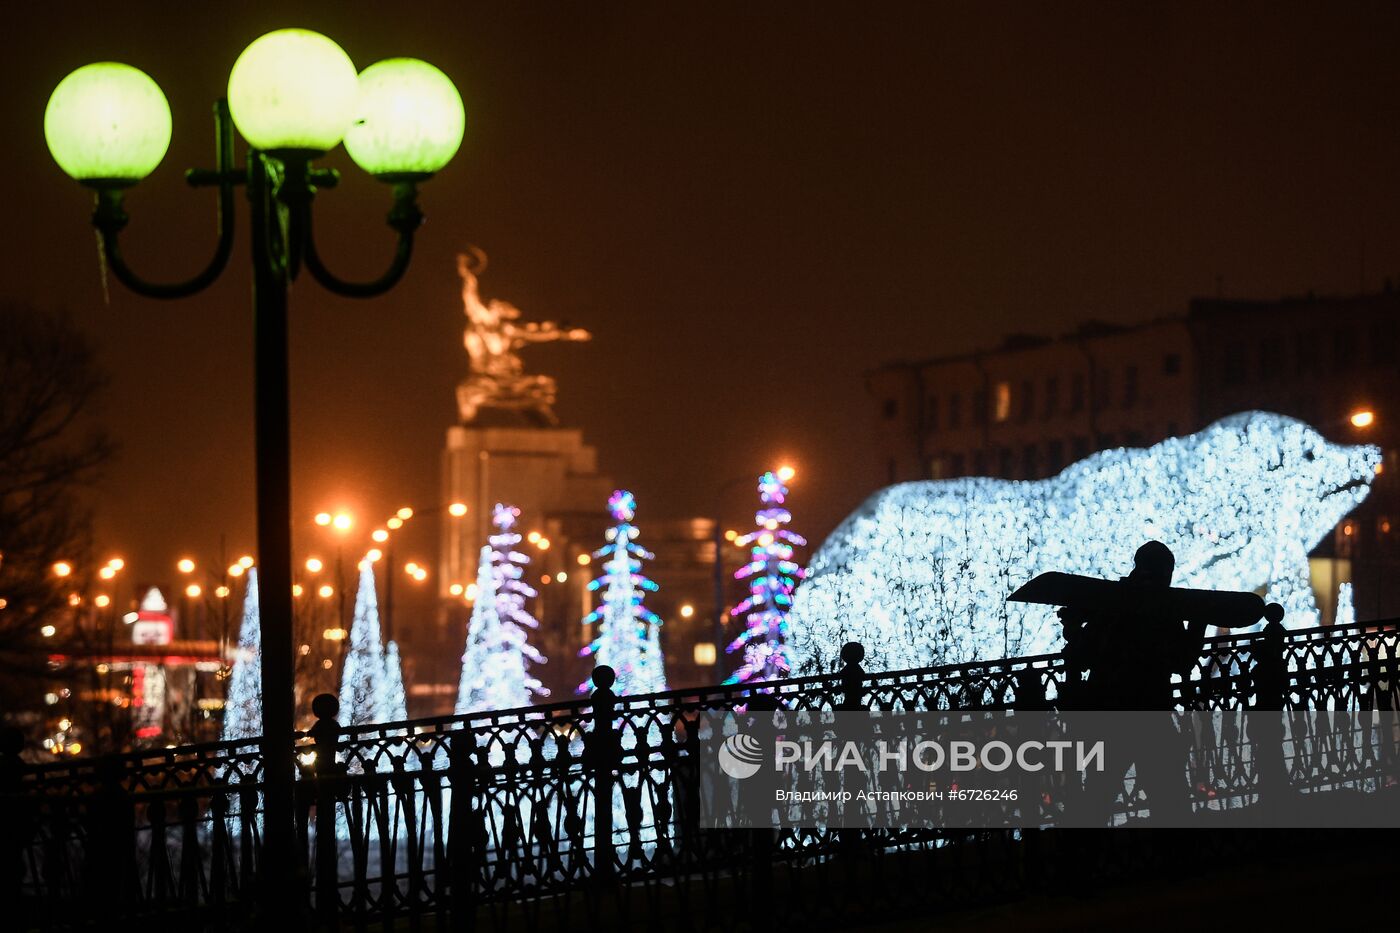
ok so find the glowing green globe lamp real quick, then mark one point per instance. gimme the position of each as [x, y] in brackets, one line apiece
[293, 89]
[107, 125]
[409, 122]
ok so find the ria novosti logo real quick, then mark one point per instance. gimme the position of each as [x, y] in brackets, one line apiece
[740, 756]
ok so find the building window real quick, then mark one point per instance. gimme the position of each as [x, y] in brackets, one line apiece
[1055, 456]
[1001, 402]
[931, 413]
[1307, 357]
[938, 467]
[1080, 445]
[1007, 461]
[1343, 349]
[1076, 393]
[979, 463]
[1382, 342]
[955, 410]
[891, 409]
[1027, 400]
[1171, 364]
[979, 407]
[1270, 358]
[1028, 462]
[1102, 385]
[957, 465]
[1232, 369]
[1130, 386]
[1346, 539]
[1052, 397]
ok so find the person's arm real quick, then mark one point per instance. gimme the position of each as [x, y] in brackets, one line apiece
[1189, 653]
[1079, 637]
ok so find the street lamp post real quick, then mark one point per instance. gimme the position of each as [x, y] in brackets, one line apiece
[294, 95]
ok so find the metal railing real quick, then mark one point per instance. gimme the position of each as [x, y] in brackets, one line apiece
[578, 814]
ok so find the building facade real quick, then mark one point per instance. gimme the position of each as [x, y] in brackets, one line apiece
[1033, 405]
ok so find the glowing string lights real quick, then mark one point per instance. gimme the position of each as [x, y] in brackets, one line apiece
[629, 632]
[920, 572]
[772, 576]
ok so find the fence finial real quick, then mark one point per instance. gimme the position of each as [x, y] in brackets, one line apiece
[325, 733]
[852, 675]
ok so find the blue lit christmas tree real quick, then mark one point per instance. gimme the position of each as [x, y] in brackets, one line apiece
[629, 634]
[495, 665]
[362, 677]
[243, 703]
[772, 576]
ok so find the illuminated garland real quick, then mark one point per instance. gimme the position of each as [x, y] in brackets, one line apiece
[495, 663]
[243, 702]
[1346, 608]
[920, 572]
[363, 684]
[772, 576]
[629, 633]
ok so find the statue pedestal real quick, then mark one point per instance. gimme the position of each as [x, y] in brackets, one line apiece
[550, 474]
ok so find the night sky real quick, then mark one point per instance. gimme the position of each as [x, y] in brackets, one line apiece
[749, 209]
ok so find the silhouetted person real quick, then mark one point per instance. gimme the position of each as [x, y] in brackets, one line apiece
[1131, 655]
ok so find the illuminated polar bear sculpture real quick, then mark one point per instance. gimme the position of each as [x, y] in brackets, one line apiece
[919, 574]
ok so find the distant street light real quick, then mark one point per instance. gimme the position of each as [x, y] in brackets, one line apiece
[1363, 418]
[185, 565]
[294, 95]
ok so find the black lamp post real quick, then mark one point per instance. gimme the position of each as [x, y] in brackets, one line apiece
[293, 95]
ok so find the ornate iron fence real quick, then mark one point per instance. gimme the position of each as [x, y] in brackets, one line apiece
[581, 814]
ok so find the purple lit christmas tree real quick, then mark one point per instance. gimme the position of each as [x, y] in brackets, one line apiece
[628, 637]
[495, 672]
[772, 576]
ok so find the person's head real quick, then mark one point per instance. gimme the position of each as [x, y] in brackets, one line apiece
[1153, 564]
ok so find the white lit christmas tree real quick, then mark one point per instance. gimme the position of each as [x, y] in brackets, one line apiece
[495, 665]
[919, 574]
[1346, 607]
[363, 682]
[395, 699]
[243, 703]
[772, 576]
[628, 637]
